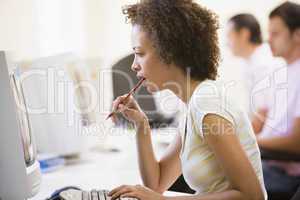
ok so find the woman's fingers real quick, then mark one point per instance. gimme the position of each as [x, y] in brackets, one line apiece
[129, 109]
[130, 195]
[128, 113]
[137, 191]
[122, 190]
[118, 101]
[117, 189]
[114, 119]
[121, 100]
[114, 190]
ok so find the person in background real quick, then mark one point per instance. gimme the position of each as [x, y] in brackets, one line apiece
[245, 41]
[176, 48]
[280, 129]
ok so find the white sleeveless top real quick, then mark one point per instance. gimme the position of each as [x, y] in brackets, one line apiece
[200, 167]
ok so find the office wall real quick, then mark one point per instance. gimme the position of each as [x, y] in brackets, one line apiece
[107, 33]
[17, 27]
[34, 28]
[60, 27]
[91, 28]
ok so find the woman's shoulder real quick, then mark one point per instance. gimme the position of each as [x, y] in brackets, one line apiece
[209, 88]
[210, 98]
[209, 92]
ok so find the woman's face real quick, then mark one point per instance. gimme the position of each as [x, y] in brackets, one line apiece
[148, 64]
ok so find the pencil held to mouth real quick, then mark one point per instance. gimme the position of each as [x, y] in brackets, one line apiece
[132, 91]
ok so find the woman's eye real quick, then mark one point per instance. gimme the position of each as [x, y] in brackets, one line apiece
[138, 54]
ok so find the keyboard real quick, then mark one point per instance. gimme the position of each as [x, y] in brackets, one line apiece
[72, 194]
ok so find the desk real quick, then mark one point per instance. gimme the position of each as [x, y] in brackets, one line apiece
[103, 170]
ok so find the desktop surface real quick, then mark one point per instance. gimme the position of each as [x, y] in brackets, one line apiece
[101, 169]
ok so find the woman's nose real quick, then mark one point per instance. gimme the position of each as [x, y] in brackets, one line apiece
[135, 67]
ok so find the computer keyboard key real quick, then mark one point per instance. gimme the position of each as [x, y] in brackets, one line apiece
[72, 194]
[94, 195]
[101, 195]
[106, 192]
[85, 195]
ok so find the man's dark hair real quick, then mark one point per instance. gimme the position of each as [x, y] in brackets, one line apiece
[290, 13]
[182, 32]
[249, 22]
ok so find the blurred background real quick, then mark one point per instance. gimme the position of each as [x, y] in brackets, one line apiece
[96, 31]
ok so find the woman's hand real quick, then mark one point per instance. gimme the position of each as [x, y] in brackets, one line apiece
[129, 109]
[138, 191]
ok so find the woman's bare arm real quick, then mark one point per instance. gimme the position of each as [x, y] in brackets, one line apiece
[157, 175]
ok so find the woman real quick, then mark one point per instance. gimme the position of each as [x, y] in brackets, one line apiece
[176, 47]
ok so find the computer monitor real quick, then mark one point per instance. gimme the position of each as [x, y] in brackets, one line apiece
[19, 169]
[52, 88]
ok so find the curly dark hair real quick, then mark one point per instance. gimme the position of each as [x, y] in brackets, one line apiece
[182, 32]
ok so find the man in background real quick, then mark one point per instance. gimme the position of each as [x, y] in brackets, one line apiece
[280, 129]
[245, 41]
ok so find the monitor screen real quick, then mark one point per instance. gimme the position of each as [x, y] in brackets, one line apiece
[23, 119]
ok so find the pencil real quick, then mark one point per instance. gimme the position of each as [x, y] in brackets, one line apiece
[132, 91]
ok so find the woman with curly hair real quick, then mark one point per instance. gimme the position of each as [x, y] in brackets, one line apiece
[176, 47]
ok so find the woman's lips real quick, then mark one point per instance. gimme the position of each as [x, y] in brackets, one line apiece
[140, 77]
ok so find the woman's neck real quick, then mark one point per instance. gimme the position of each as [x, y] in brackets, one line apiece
[186, 87]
